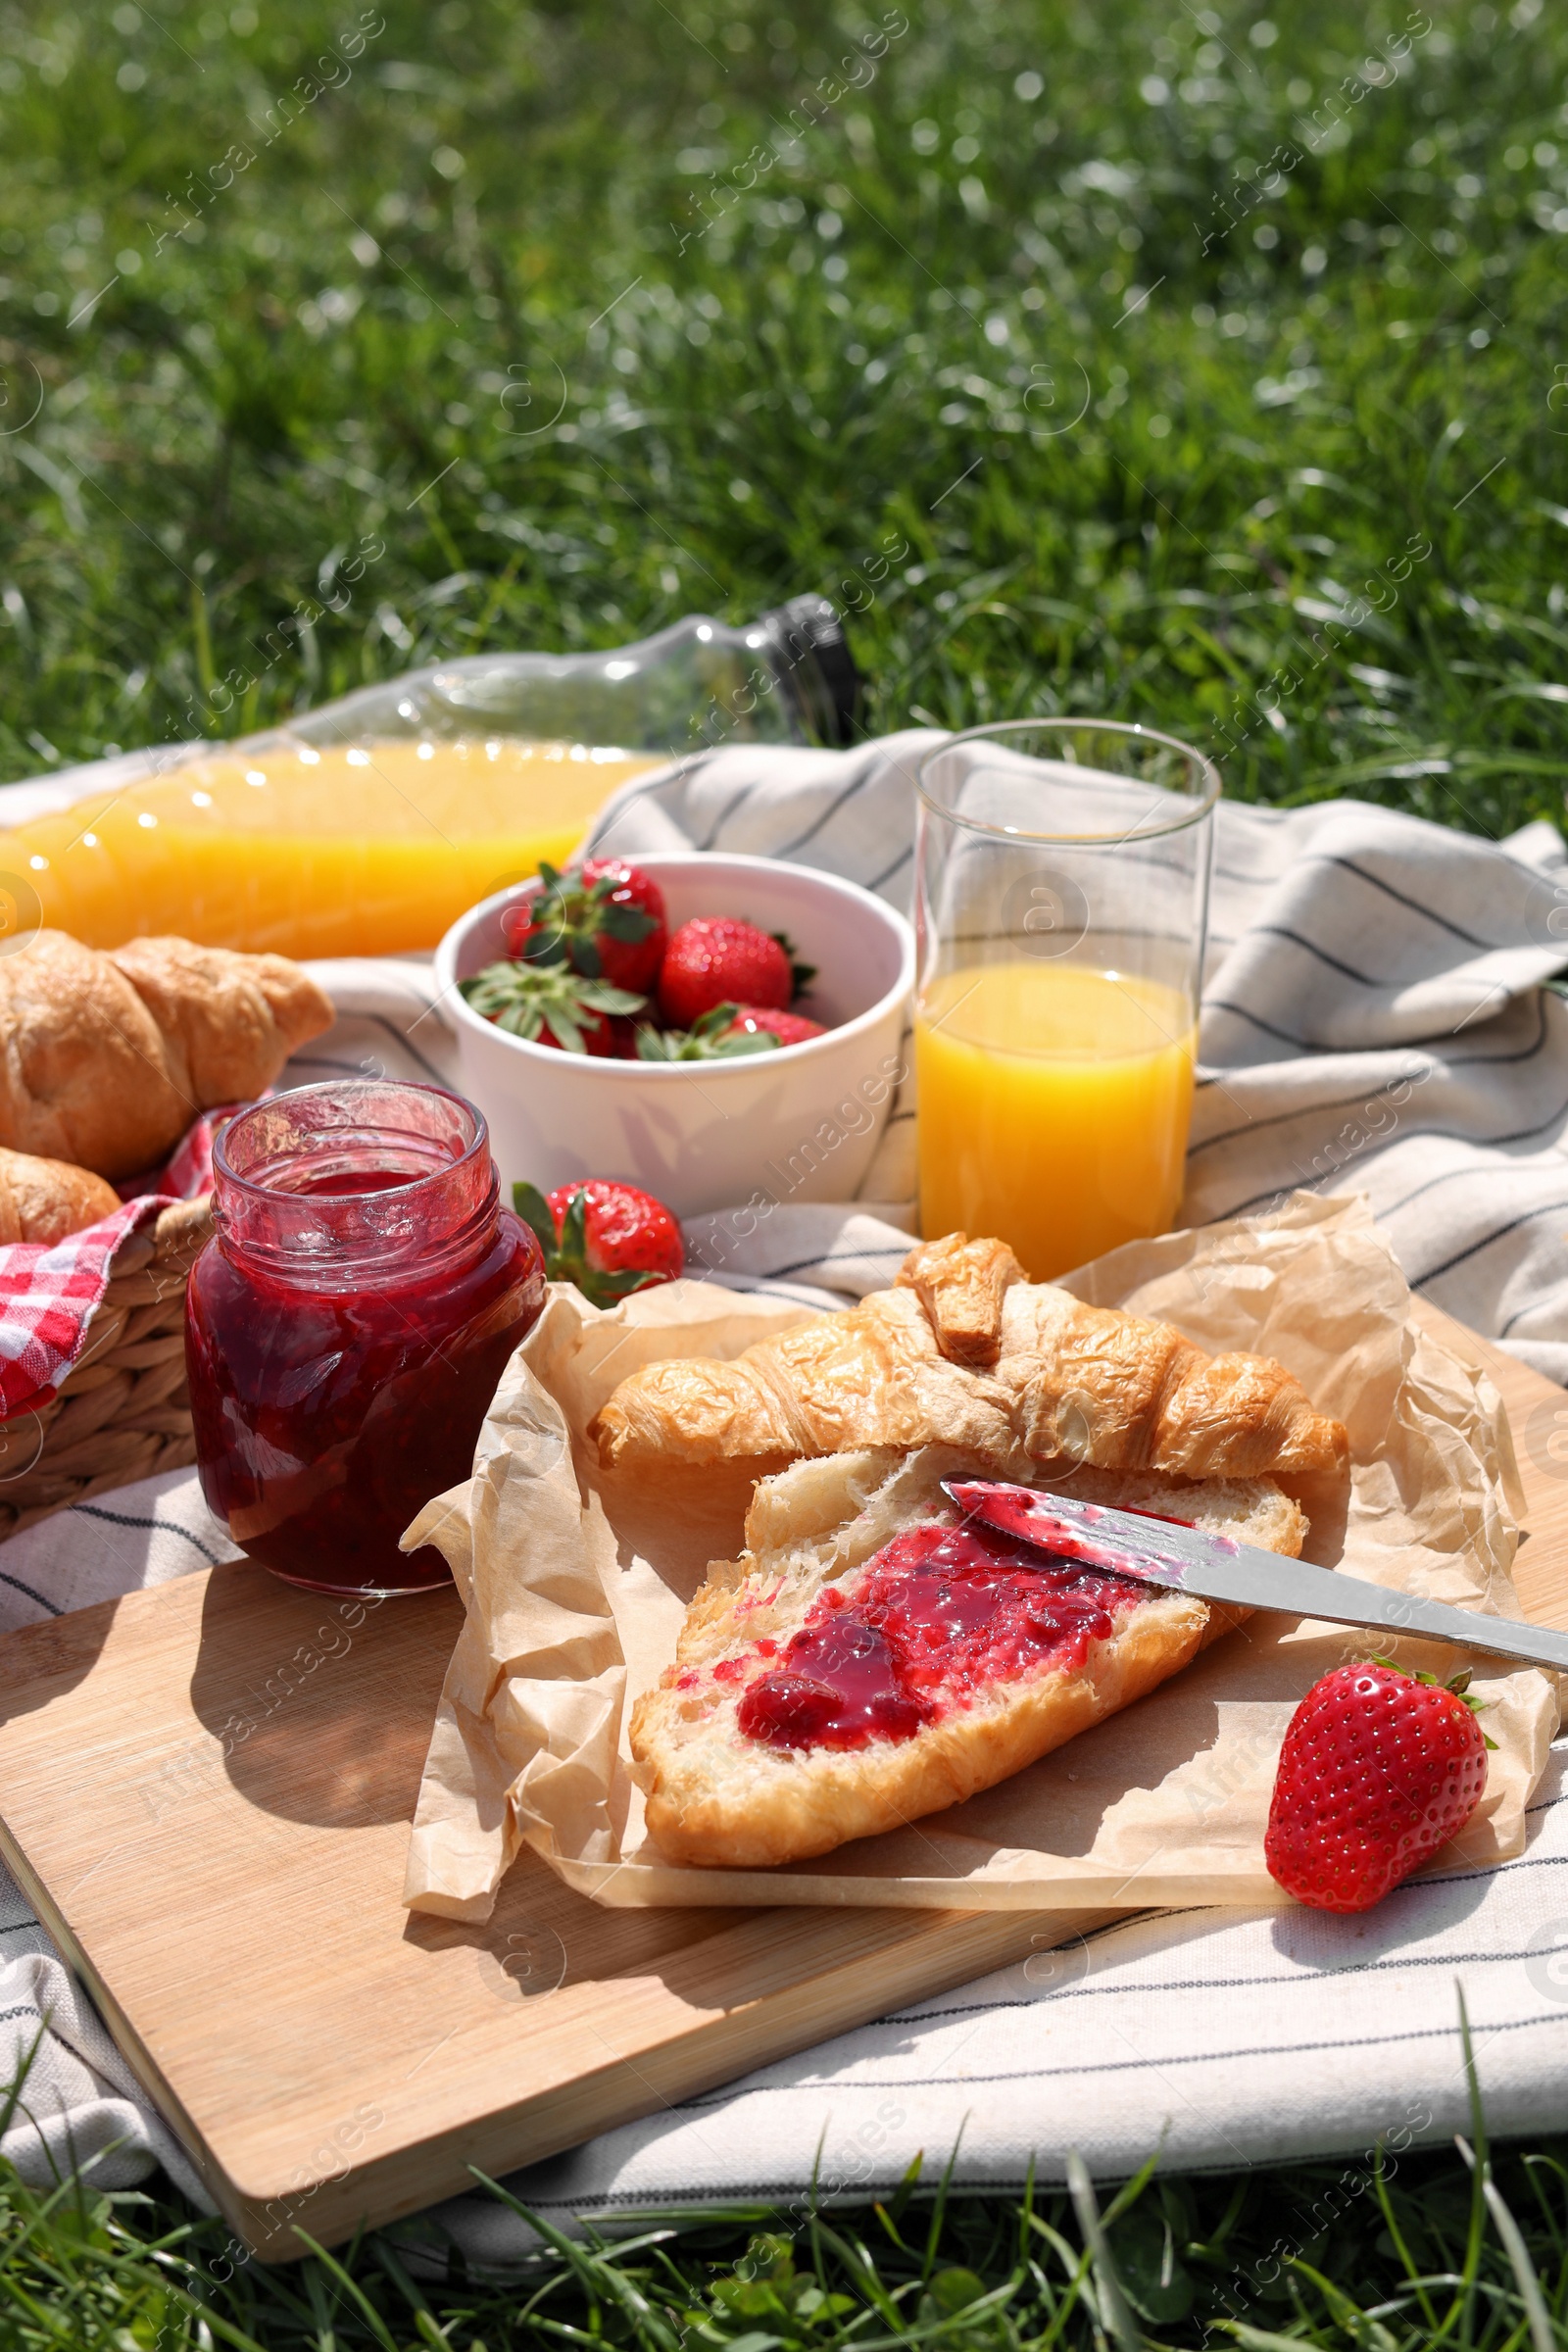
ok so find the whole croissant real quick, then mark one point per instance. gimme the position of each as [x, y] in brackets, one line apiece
[965, 1352]
[106, 1059]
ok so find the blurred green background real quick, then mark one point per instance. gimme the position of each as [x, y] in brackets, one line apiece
[1164, 337]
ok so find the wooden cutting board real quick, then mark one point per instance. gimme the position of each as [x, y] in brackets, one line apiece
[205, 1791]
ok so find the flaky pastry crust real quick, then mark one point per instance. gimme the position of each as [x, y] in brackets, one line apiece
[104, 1059]
[963, 1351]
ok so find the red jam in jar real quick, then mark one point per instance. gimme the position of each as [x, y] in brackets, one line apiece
[346, 1328]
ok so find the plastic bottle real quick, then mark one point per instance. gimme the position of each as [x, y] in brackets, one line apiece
[786, 677]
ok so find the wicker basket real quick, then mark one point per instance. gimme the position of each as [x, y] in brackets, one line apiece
[124, 1411]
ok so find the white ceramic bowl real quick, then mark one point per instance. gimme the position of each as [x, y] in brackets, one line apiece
[799, 1124]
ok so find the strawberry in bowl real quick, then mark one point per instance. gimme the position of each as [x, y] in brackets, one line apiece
[584, 951]
[765, 1020]
[725, 1031]
[550, 1006]
[603, 922]
[716, 960]
[589, 949]
[783, 1098]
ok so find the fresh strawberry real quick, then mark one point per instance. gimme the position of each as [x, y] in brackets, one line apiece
[790, 1028]
[608, 1237]
[714, 1036]
[550, 1006]
[1379, 1768]
[605, 921]
[716, 957]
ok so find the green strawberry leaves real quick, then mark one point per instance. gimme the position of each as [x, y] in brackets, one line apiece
[534, 1210]
[569, 916]
[565, 1254]
[619, 923]
[802, 974]
[526, 999]
[711, 1038]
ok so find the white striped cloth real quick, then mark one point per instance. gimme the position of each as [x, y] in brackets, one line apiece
[80, 2106]
[1373, 1019]
[1225, 2038]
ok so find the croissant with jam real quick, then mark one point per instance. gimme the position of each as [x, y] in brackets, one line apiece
[870, 1660]
[965, 1352]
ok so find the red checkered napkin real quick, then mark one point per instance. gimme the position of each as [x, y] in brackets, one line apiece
[48, 1295]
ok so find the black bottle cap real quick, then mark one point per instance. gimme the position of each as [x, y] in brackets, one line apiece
[812, 662]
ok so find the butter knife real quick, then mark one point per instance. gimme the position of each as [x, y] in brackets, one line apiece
[1188, 1559]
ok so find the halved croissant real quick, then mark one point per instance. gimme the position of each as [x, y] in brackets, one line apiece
[717, 1796]
[1065, 1381]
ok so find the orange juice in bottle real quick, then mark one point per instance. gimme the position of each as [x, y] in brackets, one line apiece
[371, 849]
[366, 827]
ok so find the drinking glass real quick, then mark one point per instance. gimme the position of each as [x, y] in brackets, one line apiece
[1062, 901]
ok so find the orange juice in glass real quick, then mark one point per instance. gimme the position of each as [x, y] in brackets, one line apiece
[1062, 905]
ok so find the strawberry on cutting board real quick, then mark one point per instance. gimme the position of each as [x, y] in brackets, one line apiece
[716, 959]
[608, 1237]
[1379, 1768]
[605, 922]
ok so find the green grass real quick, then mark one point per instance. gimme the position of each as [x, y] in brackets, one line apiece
[884, 337]
[1377, 2254]
[544, 324]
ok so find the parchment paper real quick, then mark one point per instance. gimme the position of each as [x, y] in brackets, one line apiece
[574, 1583]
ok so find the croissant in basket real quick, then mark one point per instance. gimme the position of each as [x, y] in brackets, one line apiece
[965, 1352]
[45, 1200]
[105, 1061]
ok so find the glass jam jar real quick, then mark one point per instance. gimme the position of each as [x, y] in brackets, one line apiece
[346, 1327]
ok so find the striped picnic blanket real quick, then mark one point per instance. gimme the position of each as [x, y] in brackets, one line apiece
[1374, 1020]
